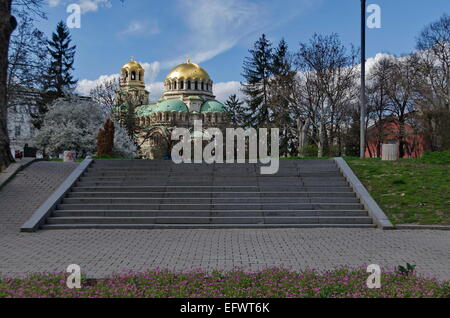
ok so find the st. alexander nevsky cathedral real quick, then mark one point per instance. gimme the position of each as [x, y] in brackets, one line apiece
[188, 96]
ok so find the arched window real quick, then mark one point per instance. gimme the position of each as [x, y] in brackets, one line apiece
[203, 86]
[196, 85]
[189, 85]
[207, 86]
[174, 85]
[140, 76]
[181, 84]
[133, 76]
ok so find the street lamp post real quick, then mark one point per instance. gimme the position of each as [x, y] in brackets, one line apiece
[362, 146]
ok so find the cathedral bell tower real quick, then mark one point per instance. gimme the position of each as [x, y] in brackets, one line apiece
[132, 85]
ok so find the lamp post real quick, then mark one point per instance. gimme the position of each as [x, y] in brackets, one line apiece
[362, 146]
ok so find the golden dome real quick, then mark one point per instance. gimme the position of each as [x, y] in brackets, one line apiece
[133, 65]
[188, 70]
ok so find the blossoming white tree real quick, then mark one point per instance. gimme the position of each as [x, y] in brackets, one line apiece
[73, 124]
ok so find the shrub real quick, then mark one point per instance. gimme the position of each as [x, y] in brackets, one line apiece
[309, 151]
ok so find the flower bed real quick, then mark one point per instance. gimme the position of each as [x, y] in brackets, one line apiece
[268, 283]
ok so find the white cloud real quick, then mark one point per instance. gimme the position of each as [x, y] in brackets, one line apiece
[93, 5]
[215, 26]
[370, 62]
[85, 5]
[151, 71]
[53, 3]
[156, 90]
[224, 90]
[137, 27]
[85, 86]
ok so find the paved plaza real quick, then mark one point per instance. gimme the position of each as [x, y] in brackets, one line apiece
[102, 252]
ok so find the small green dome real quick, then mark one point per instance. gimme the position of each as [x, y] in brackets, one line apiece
[145, 110]
[171, 105]
[213, 106]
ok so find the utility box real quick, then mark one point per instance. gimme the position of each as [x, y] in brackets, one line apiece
[389, 152]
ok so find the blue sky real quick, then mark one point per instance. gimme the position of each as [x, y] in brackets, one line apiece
[218, 33]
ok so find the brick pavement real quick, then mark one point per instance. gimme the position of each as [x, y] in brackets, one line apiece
[101, 252]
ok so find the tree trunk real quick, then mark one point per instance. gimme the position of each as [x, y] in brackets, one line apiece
[301, 137]
[402, 137]
[321, 139]
[7, 25]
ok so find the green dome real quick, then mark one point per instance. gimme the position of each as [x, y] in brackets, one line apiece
[145, 110]
[171, 105]
[213, 106]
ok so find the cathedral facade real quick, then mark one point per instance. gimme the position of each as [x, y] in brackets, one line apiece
[188, 96]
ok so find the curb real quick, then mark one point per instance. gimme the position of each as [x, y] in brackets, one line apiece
[366, 199]
[422, 227]
[13, 169]
[44, 211]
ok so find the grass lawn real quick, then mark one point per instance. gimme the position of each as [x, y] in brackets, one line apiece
[275, 282]
[410, 191]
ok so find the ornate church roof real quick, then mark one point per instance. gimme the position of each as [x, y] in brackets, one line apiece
[133, 66]
[171, 105]
[188, 70]
[212, 106]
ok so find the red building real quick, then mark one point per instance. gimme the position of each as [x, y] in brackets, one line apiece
[388, 132]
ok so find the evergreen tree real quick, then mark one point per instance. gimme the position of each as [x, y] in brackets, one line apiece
[59, 77]
[235, 108]
[257, 72]
[281, 60]
[352, 136]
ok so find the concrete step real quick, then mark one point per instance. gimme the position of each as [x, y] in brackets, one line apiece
[202, 207]
[134, 163]
[195, 226]
[127, 194]
[208, 189]
[209, 194]
[206, 213]
[162, 174]
[215, 179]
[212, 220]
[260, 200]
[185, 183]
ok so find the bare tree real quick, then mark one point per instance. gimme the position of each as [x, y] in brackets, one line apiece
[8, 23]
[401, 91]
[434, 61]
[105, 95]
[377, 99]
[328, 73]
[433, 100]
[27, 63]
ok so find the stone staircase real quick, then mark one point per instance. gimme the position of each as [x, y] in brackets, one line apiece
[160, 194]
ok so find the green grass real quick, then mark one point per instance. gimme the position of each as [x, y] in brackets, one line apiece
[61, 160]
[410, 191]
[305, 158]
